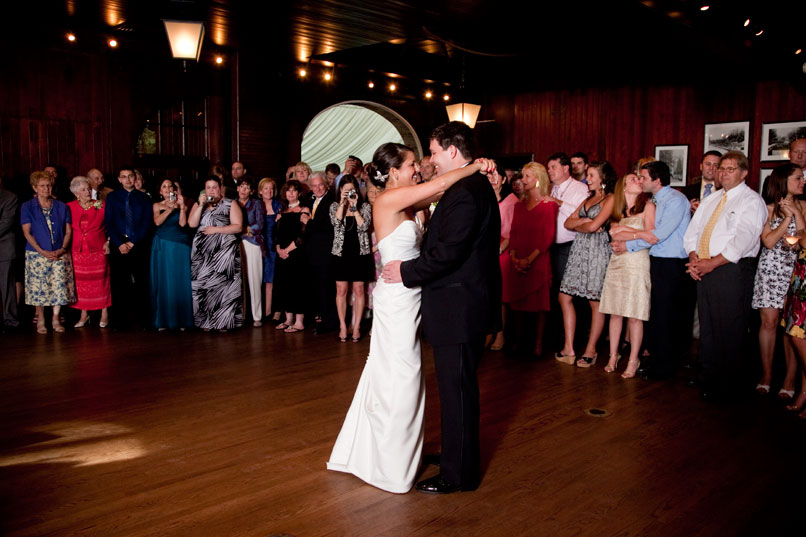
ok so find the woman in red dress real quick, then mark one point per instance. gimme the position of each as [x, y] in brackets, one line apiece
[526, 270]
[90, 251]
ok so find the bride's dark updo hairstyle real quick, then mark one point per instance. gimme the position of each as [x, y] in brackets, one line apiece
[389, 155]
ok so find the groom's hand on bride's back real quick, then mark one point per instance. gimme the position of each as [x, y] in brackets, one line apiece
[391, 272]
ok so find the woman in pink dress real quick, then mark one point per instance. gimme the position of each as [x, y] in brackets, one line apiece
[526, 269]
[90, 251]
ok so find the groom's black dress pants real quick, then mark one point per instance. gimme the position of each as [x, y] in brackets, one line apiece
[456, 367]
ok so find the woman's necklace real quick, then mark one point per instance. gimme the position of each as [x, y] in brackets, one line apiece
[292, 205]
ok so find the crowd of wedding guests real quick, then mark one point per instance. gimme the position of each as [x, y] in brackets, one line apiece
[583, 247]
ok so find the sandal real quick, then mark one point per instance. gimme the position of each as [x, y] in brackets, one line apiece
[292, 330]
[587, 361]
[611, 368]
[57, 326]
[630, 371]
[569, 359]
[798, 404]
[356, 339]
[785, 395]
[764, 389]
[41, 328]
[281, 326]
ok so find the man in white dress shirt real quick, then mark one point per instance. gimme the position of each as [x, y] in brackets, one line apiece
[570, 194]
[722, 242]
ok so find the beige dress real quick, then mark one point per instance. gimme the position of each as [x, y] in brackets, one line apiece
[627, 285]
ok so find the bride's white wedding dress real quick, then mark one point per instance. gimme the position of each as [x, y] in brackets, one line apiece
[381, 439]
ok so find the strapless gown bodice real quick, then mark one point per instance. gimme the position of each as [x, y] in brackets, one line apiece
[403, 243]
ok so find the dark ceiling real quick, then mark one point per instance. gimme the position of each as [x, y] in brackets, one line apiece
[498, 45]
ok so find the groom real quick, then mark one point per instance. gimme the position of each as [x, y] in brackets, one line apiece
[461, 301]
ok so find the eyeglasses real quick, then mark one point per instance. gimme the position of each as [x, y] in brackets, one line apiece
[729, 169]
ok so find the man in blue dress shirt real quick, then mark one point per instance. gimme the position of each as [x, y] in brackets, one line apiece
[128, 217]
[666, 331]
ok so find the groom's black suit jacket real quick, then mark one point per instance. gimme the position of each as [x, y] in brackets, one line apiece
[458, 267]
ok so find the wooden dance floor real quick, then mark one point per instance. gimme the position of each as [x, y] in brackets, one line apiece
[142, 434]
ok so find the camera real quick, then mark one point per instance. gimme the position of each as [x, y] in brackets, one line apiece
[210, 199]
[352, 195]
[172, 196]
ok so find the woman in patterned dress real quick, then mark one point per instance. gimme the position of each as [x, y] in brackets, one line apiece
[784, 219]
[588, 260]
[215, 261]
[46, 225]
[90, 253]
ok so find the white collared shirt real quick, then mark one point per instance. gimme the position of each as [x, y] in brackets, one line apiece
[572, 193]
[737, 233]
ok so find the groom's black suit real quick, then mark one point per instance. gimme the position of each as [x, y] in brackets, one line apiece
[461, 303]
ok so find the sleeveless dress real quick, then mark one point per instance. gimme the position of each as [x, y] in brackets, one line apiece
[794, 316]
[215, 266]
[171, 296]
[627, 285]
[381, 439]
[587, 260]
[774, 271]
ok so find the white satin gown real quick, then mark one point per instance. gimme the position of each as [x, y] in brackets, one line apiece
[381, 439]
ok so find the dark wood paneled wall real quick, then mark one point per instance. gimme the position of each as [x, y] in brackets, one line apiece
[625, 123]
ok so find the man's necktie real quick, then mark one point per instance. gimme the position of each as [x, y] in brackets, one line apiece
[315, 205]
[129, 230]
[703, 248]
[708, 189]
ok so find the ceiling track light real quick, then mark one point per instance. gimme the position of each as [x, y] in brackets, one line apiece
[747, 23]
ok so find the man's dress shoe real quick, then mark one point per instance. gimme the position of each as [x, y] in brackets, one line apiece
[437, 485]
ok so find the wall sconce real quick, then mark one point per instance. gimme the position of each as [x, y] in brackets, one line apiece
[464, 112]
[185, 37]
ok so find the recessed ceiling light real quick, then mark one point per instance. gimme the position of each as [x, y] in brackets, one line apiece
[747, 23]
[446, 97]
[428, 94]
[371, 85]
[705, 8]
[392, 87]
[798, 51]
[71, 37]
[303, 73]
[113, 43]
[328, 76]
[759, 33]
[219, 60]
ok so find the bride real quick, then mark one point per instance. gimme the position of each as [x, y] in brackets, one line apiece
[382, 436]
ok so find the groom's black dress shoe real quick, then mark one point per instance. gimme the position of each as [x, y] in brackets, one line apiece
[437, 485]
[431, 458]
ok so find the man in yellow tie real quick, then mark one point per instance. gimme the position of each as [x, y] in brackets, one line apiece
[722, 242]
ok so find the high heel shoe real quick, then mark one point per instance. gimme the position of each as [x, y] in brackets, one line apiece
[632, 367]
[103, 324]
[57, 325]
[798, 404]
[587, 361]
[610, 368]
[82, 324]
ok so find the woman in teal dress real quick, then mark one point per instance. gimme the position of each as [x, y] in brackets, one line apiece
[171, 299]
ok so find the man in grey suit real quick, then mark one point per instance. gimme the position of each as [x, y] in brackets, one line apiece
[9, 206]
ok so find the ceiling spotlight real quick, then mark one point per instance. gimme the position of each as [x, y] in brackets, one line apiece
[303, 73]
[759, 33]
[371, 85]
[705, 8]
[112, 43]
[428, 94]
[71, 37]
[747, 23]
[219, 60]
[392, 87]
[446, 97]
[328, 76]
[798, 51]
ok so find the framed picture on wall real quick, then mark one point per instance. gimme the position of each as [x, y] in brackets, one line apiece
[763, 177]
[676, 157]
[775, 138]
[724, 137]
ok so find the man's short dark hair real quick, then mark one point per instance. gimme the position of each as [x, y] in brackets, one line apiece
[125, 167]
[580, 154]
[457, 134]
[359, 162]
[658, 170]
[333, 168]
[564, 159]
[712, 153]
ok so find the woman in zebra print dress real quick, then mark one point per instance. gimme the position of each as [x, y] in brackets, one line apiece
[215, 260]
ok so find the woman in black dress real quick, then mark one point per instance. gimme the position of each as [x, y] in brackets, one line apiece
[352, 252]
[290, 271]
